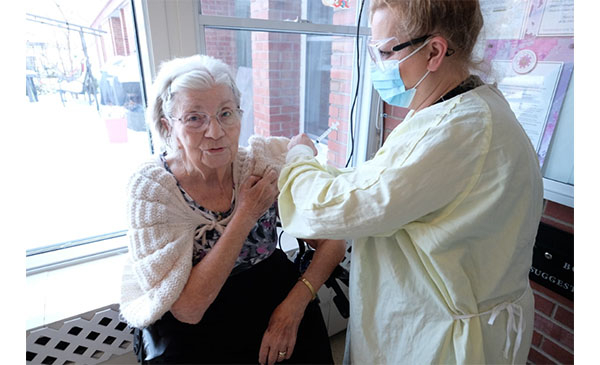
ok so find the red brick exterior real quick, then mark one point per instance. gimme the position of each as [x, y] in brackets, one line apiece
[554, 318]
[119, 33]
[220, 43]
[341, 93]
[559, 216]
[276, 72]
[117, 36]
[340, 98]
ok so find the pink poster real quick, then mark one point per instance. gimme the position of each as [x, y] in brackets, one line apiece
[534, 71]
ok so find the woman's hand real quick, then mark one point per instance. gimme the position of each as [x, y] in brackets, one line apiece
[302, 139]
[280, 337]
[257, 194]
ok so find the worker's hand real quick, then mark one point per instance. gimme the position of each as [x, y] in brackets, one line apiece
[302, 139]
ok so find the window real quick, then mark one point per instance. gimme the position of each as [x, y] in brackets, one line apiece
[294, 61]
[85, 121]
[280, 89]
[332, 12]
[292, 79]
[297, 73]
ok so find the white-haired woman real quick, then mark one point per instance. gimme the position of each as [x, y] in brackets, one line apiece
[205, 282]
[444, 216]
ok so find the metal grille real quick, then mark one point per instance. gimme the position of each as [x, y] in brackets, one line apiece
[89, 338]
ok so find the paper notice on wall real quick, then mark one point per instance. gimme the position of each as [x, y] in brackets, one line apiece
[530, 95]
[543, 58]
[557, 18]
[504, 19]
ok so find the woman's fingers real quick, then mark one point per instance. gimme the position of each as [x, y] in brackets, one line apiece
[251, 181]
[257, 193]
[274, 353]
[279, 339]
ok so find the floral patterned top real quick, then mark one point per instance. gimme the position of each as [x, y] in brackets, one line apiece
[260, 243]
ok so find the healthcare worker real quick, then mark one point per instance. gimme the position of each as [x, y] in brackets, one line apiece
[444, 217]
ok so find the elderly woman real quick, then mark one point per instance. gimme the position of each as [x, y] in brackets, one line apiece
[444, 216]
[205, 281]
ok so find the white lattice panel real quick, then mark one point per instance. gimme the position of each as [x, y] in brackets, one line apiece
[91, 338]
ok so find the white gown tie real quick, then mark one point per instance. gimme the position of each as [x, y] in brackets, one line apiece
[514, 310]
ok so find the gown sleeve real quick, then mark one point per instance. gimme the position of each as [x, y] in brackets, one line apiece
[424, 167]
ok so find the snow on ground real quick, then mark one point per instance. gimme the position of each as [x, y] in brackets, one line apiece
[73, 177]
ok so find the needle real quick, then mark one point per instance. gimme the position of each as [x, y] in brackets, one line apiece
[329, 130]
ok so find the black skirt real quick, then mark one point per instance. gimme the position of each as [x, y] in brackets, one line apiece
[232, 328]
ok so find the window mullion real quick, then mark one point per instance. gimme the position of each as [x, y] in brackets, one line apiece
[234, 23]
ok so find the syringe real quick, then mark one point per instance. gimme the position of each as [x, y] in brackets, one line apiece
[329, 130]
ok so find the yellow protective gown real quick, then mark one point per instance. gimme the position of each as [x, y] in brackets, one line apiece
[444, 219]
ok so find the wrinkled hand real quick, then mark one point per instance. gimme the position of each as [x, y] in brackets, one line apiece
[257, 194]
[302, 139]
[281, 333]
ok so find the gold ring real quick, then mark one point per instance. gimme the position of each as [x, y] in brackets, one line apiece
[282, 353]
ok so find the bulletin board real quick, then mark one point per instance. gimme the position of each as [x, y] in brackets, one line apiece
[529, 45]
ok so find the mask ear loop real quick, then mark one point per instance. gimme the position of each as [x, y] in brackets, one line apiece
[412, 53]
[422, 78]
[415, 51]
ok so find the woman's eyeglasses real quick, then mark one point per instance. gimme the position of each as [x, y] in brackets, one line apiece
[199, 121]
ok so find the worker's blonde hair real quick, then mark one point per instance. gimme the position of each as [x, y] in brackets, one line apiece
[458, 21]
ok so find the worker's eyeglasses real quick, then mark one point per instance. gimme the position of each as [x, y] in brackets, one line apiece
[199, 121]
[377, 48]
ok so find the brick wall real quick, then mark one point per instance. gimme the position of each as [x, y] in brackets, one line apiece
[553, 335]
[125, 29]
[553, 325]
[340, 98]
[558, 215]
[553, 328]
[395, 116]
[341, 93]
[276, 72]
[117, 39]
[220, 43]
[116, 31]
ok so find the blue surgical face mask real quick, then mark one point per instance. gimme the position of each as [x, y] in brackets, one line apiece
[389, 84]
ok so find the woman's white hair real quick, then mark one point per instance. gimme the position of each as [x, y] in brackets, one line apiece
[199, 72]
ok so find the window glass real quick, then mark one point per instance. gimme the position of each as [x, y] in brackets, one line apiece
[313, 11]
[291, 83]
[85, 117]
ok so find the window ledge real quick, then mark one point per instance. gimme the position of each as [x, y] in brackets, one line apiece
[62, 293]
[66, 292]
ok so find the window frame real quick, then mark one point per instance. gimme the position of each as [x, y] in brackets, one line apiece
[162, 29]
[172, 19]
[58, 255]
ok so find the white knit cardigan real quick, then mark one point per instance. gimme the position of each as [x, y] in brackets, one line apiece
[162, 229]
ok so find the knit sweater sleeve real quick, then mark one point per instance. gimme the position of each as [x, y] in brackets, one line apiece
[162, 227]
[161, 236]
[269, 152]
